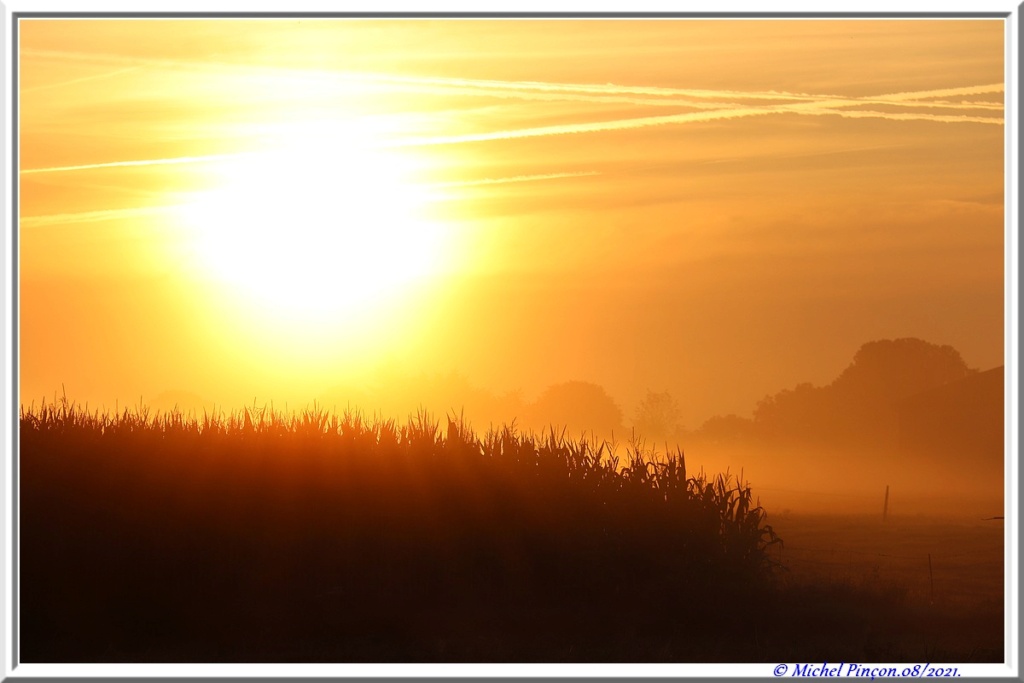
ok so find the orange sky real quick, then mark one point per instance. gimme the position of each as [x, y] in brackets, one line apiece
[273, 209]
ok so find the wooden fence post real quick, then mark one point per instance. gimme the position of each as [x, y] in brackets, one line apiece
[931, 578]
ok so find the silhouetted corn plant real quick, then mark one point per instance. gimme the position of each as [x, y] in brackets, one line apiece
[551, 482]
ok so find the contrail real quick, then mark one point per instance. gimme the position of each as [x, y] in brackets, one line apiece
[658, 92]
[655, 96]
[946, 92]
[814, 105]
[538, 89]
[559, 96]
[901, 116]
[114, 214]
[83, 79]
[810, 108]
[543, 86]
[137, 162]
[92, 216]
[573, 128]
[514, 179]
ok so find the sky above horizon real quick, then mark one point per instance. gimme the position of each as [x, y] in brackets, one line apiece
[285, 210]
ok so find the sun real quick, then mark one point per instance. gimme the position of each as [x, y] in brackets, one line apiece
[316, 229]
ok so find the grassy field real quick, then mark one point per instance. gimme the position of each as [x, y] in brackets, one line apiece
[920, 586]
[256, 537]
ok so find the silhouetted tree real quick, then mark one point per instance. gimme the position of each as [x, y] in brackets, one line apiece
[657, 417]
[801, 410]
[725, 428]
[398, 394]
[893, 369]
[579, 407]
[859, 406]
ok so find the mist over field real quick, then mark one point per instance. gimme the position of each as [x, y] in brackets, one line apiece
[904, 414]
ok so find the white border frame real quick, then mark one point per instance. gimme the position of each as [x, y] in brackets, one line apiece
[808, 9]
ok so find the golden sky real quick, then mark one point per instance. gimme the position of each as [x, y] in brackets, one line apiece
[272, 209]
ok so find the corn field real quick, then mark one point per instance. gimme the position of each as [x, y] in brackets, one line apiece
[315, 535]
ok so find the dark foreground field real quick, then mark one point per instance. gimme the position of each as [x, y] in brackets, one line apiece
[914, 586]
[255, 539]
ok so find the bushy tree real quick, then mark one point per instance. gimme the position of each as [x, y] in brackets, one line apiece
[725, 428]
[658, 417]
[893, 369]
[579, 407]
[859, 406]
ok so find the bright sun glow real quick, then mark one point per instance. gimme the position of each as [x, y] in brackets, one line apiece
[316, 228]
